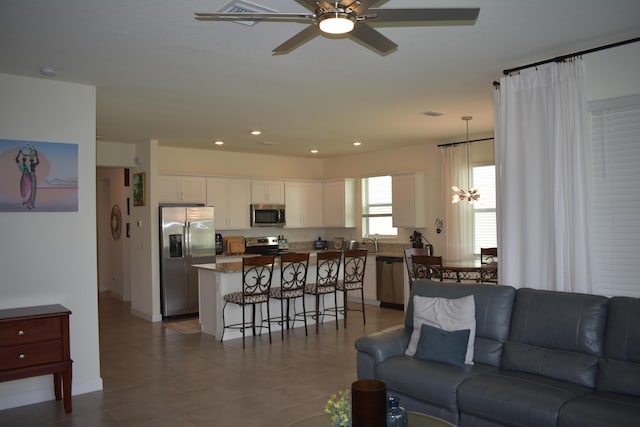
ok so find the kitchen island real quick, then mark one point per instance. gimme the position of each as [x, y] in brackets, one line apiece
[217, 279]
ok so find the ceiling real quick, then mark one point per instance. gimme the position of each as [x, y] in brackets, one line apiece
[160, 74]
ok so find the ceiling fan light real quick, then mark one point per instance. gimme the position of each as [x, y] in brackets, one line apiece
[336, 23]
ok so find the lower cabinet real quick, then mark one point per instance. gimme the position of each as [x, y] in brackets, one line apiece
[370, 291]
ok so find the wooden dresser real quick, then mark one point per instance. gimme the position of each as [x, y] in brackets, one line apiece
[35, 341]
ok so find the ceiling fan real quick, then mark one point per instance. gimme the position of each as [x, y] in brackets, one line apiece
[348, 17]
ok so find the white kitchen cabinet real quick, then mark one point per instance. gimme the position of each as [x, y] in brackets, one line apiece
[409, 200]
[181, 189]
[230, 198]
[303, 202]
[267, 191]
[339, 203]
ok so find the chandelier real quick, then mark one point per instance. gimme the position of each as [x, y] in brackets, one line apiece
[473, 195]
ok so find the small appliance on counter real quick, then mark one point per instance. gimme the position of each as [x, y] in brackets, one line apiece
[219, 244]
[338, 243]
[321, 244]
[234, 245]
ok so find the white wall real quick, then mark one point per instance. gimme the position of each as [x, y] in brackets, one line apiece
[50, 258]
[613, 72]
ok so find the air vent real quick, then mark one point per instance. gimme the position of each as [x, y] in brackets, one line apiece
[432, 113]
[240, 6]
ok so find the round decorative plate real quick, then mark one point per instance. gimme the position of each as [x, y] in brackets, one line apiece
[116, 222]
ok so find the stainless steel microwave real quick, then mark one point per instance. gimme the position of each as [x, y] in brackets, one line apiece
[267, 215]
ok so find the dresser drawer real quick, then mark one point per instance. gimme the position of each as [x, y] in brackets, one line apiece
[19, 356]
[26, 331]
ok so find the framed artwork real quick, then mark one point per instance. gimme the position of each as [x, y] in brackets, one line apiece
[38, 176]
[138, 189]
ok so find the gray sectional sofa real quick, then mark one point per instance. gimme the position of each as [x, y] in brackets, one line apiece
[540, 358]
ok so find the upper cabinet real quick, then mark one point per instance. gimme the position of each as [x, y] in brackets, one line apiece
[181, 189]
[409, 200]
[267, 191]
[303, 202]
[339, 203]
[230, 198]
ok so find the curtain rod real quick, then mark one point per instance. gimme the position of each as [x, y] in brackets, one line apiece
[570, 55]
[464, 142]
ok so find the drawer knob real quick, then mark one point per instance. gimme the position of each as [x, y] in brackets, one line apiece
[21, 356]
[20, 332]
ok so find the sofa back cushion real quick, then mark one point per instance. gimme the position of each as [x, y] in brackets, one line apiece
[556, 334]
[493, 306]
[619, 370]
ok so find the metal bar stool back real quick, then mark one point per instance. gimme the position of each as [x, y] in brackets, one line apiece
[327, 273]
[408, 253]
[256, 286]
[354, 262]
[293, 280]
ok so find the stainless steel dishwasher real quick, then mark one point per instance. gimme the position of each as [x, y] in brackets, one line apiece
[390, 281]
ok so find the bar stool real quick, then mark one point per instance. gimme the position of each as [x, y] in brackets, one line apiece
[354, 262]
[328, 268]
[293, 279]
[408, 253]
[256, 285]
[489, 265]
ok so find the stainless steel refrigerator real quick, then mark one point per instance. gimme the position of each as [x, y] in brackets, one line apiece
[187, 237]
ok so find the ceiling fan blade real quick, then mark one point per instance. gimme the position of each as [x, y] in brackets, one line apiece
[224, 16]
[302, 37]
[362, 5]
[312, 4]
[452, 16]
[372, 38]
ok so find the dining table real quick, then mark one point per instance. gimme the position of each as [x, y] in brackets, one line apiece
[469, 270]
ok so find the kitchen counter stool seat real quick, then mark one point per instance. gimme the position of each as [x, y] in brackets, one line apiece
[256, 287]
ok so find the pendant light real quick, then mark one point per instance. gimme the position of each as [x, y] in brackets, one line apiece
[473, 195]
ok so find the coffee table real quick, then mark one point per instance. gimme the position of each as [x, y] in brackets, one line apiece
[415, 419]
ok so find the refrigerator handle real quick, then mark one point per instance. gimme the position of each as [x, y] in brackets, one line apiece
[187, 236]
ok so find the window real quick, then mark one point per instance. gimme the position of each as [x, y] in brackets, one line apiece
[377, 207]
[615, 202]
[484, 213]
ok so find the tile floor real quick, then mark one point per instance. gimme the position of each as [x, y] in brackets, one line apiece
[161, 375]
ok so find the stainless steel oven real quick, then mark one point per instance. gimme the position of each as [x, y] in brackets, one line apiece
[267, 215]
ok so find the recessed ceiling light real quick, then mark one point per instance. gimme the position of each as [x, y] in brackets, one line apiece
[432, 113]
[47, 70]
[218, 142]
[314, 151]
[256, 132]
[357, 143]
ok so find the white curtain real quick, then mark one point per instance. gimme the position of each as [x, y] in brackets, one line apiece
[543, 179]
[458, 218]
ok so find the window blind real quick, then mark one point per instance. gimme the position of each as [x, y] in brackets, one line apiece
[615, 138]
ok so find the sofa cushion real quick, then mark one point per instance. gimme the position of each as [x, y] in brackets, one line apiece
[432, 382]
[601, 409]
[571, 366]
[619, 371]
[516, 398]
[547, 327]
[493, 313]
[448, 314]
[438, 345]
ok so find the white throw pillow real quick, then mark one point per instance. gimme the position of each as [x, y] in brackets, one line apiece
[444, 313]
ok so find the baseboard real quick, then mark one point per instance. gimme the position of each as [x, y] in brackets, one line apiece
[30, 397]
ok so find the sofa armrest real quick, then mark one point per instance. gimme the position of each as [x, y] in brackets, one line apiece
[384, 344]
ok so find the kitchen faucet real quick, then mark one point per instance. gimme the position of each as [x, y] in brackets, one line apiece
[374, 241]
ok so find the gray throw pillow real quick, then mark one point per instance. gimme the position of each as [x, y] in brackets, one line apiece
[450, 314]
[438, 345]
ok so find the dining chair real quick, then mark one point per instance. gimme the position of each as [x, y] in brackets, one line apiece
[427, 267]
[408, 253]
[256, 286]
[293, 279]
[327, 273]
[354, 263]
[489, 265]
